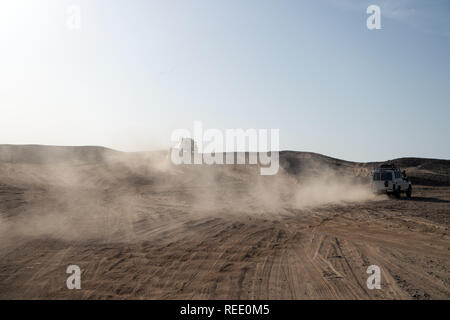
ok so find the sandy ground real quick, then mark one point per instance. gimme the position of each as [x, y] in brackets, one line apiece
[158, 234]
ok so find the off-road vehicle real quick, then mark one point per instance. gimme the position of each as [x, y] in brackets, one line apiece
[391, 180]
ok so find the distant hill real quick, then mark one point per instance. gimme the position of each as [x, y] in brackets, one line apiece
[422, 171]
[39, 154]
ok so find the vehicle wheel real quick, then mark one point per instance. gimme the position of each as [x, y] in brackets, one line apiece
[409, 192]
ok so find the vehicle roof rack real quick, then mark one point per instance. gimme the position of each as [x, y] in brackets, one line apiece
[388, 166]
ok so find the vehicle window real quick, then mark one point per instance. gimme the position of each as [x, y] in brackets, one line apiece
[386, 176]
[376, 176]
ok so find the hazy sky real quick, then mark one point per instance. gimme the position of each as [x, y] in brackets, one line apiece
[137, 70]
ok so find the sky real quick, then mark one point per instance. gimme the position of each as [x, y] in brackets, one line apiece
[137, 70]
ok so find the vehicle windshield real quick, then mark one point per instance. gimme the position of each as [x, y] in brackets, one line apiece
[383, 176]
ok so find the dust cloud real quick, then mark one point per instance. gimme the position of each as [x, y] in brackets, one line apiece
[100, 194]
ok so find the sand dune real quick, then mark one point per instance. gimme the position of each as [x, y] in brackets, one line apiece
[140, 227]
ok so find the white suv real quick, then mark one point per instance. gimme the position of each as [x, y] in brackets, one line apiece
[389, 179]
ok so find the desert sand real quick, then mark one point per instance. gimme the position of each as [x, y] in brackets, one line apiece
[142, 228]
